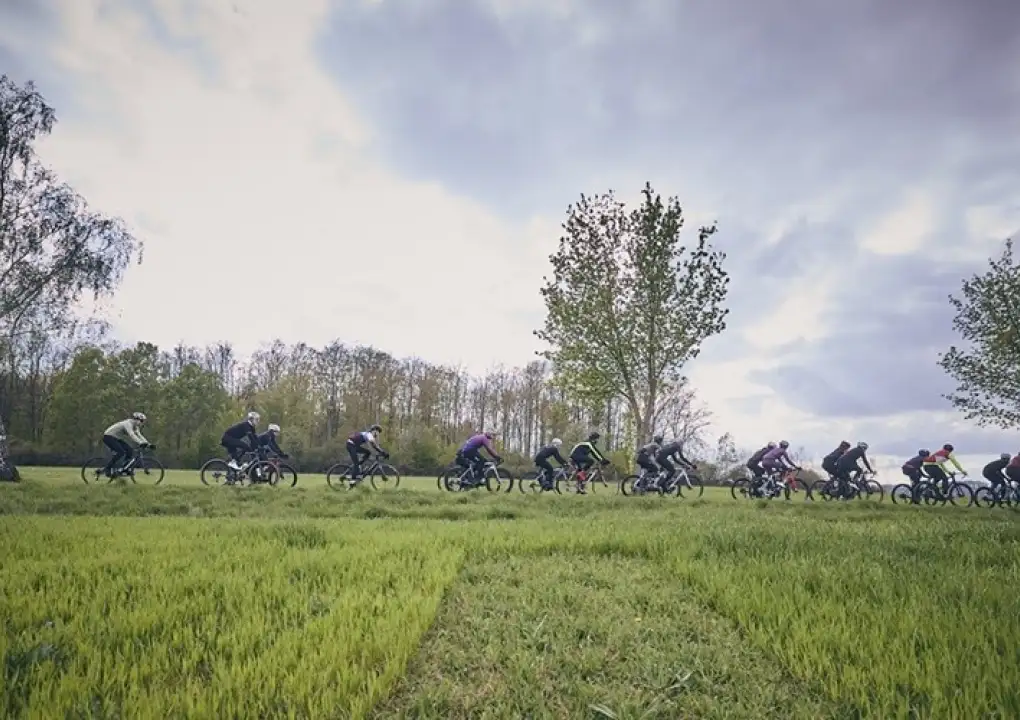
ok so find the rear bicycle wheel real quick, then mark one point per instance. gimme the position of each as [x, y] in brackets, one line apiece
[739, 488]
[92, 471]
[148, 471]
[215, 472]
[929, 494]
[903, 494]
[627, 485]
[984, 497]
[385, 477]
[338, 477]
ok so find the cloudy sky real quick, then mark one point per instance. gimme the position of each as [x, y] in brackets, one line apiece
[310, 170]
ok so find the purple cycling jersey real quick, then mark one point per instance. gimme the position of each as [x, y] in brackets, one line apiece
[478, 441]
[776, 456]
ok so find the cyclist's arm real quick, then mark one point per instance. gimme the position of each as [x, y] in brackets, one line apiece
[136, 436]
[559, 458]
[952, 459]
[378, 448]
[596, 453]
[487, 444]
[867, 464]
[274, 446]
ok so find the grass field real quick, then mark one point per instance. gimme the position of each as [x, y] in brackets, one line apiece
[186, 601]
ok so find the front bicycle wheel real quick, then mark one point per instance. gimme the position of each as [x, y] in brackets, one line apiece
[385, 477]
[148, 471]
[216, 472]
[960, 495]
[92, 471]
[875, 491]
[739, 488]
[496, 479]
[690, 488]
[566, 483]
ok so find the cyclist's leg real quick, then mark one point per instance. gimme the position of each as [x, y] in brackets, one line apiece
[939, 477]
[667, 465]
[583, 466]
[364, 454]
[235, 449]
[649, 467]
[355, 456]
[117, 446]
[545, 472]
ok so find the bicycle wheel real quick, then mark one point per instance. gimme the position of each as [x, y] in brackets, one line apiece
[627, 485]
[960, 495]
[148, 471]
[216, 472]
[799, 487]
[566, 483]
[92, 471]
[984, 497]
[875, 489]
[338, 477]
[507, 479]
[829, 490]
[739, 488]
[903, 494]
[929, 493]
[384, 477]
[604, 479]
[692, 488]
[497, 479]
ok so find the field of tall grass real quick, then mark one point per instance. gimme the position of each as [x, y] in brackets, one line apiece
[184, 601]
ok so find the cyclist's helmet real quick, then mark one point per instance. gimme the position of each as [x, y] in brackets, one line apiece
[254, 417]
[658, 439]
[140, 417]
[375, 428]
[274, 428]
[844, 444]
[784, 444]
[556, 442]
[1005, 456]
[948, 447]
[862, 445]
[924, 453]
[771, 446]
[593, 437]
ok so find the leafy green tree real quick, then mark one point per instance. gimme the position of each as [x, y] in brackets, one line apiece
[628, 305]
[53, 248]
[82, 404]
[987, 370]
[189, 412]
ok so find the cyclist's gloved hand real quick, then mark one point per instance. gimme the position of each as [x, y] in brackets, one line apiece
[605, 462]
[151, 446]
[384, 455]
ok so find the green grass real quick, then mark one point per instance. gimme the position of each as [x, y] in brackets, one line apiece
[185, 601]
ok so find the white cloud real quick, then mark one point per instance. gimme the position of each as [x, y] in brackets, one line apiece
[992, 223]
[904, 230]
[800, 315]
[263, 212]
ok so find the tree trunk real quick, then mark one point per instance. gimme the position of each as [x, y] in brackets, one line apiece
[8, 473]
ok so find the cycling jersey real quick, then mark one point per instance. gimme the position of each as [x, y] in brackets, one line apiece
[848, 461]
[649, 450]
[127, 430]
[914, 463]
[777, 456]
[360, 438]
[550, 451]
[1015, 462]
[268, 440]
[994, 468]
[243, 429]
[834, 455]
[939, 457]
[476, 443]
[674, 448]
[585, 449]
[756, 458]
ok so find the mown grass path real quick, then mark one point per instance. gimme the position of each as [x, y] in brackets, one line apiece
[181, 601]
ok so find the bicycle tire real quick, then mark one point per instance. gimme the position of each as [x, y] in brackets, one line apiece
[338, 476]
[739, 488]
[829, 490]
[929, 494]
[627, 485]
[276, 474]
[960, 495]
[92, 471]
[875, 488]
[497, 476]
[151, 468]
[218, 472]
[389, 478]
[566, 483]
[695, 491]
[800, 486]
[984, 497]
[903, 494]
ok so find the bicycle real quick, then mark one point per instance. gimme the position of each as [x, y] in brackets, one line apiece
[680, 484]
[595, 477]
[904, 493]
[858, 486]
[937, 492]
[253, 469]
[458, 478]
[379, 474]
[535, 484]
[153, 470]
[1005, 494]
[770, 486]
[275, 471]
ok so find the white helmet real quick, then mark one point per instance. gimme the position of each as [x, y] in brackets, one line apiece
[274, 428]
[557, 442]
[254, 417]
[140, 417]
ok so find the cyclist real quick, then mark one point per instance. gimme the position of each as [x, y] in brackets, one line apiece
[645, 459]
[847, 464]
[546, 470]
[665, 459]
[469, 456]
[118, 437]
[777, 460]
[913, 468]
[995, 471]
[584, 455]
[830, 460]
[754, 463]
[267, 441]
[933, 465]
[1013, 469]
[241, 438]
[357, 450]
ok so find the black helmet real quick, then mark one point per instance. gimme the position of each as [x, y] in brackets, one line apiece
[925, 453]
[593, 437]
[657, 439]
[947, 447]
[1005, 456]
[784, 444]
